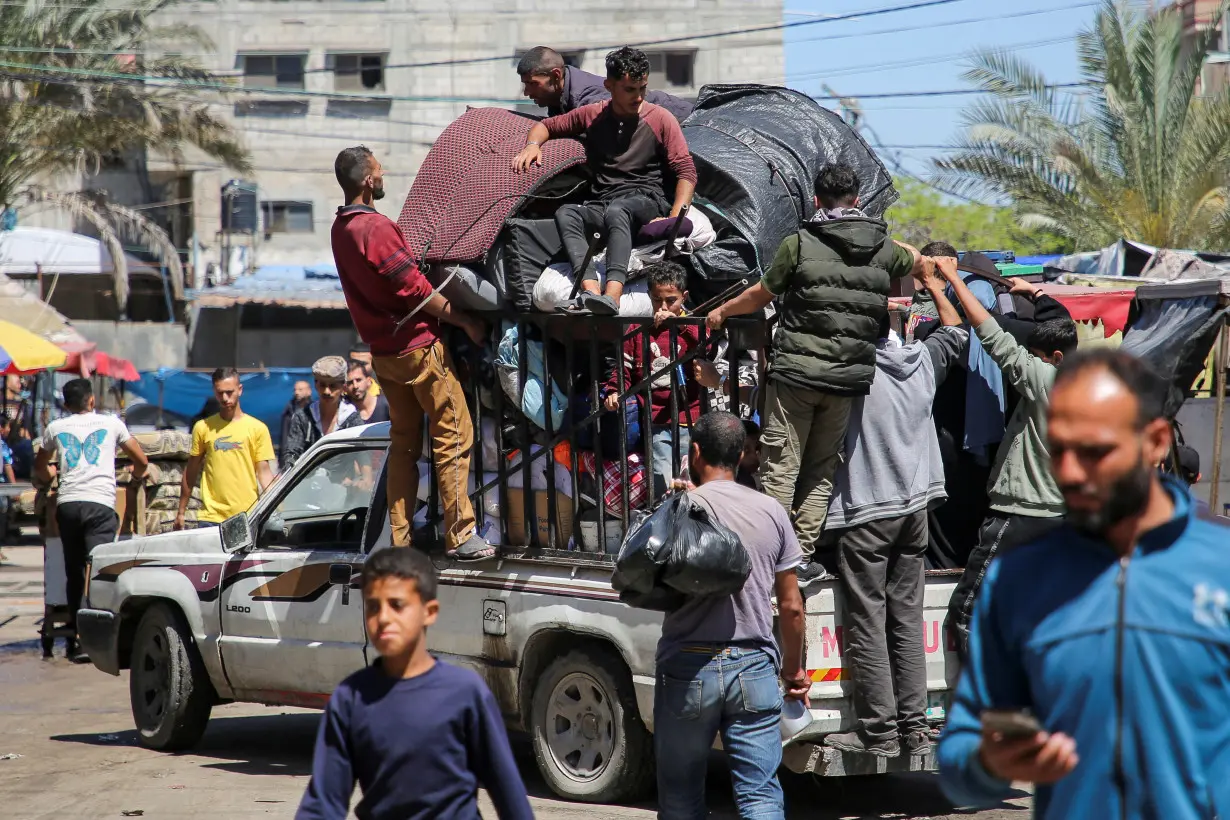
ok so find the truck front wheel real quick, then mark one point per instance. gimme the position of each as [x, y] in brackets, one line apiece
[168, 686]
[589, 740]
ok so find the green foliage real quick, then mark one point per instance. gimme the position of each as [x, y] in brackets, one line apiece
[74, 91]
[1137, 154]
[925, 215]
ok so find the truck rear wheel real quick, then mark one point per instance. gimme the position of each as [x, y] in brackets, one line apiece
[168, 686]
[589, 740]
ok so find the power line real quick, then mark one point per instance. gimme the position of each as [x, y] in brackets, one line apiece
[946, 23]
[172, 83]
[919, 61]
[956, 92]
[258, 130]
[232, 88]
[694, 37]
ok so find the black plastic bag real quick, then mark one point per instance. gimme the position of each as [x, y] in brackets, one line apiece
[679, 547]
[642, 555]
[706, 559]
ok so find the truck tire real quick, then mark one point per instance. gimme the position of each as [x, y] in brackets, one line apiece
[589, 741]
[168, 687]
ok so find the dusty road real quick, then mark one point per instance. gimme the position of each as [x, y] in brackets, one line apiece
[80, 761]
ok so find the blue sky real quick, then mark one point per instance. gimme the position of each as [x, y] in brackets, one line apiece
[930, 54]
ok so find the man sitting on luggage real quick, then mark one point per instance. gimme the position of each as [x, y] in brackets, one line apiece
[632, 147]
[558, 87]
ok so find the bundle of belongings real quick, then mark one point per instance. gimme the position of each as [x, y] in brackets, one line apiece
[499, 237]
[167, 451]
[676, 553]
[486, 234]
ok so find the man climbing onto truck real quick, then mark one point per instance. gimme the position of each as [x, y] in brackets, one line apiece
[382, 284]
[832, 279]
[634, 149]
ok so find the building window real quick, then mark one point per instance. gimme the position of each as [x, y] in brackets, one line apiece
[287, 217]
[357, 72]
[359, 109]
[273, 70]
[271, 108]
[674, 67]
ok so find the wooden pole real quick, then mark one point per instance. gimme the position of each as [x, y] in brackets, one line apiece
[1219, 412]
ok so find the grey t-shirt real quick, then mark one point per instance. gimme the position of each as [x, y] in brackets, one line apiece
[746, 617]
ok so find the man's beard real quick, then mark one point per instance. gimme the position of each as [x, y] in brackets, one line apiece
[378, 193]
[693, 474]
[1128, 496]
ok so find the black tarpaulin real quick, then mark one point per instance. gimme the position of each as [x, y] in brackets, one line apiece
[757, 151]
[1174, 333]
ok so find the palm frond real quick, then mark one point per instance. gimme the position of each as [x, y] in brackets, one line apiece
[1138, 155]
[80, 206]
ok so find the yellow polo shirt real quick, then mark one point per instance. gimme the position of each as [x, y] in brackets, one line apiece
[232, 449]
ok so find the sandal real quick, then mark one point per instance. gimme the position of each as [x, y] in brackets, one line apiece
[474, 549]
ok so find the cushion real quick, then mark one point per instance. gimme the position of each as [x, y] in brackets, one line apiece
[659, 231]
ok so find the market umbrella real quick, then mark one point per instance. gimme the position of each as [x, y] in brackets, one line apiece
[115, 367]
[23, 352]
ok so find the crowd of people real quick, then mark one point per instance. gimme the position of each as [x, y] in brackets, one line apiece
[865, 436]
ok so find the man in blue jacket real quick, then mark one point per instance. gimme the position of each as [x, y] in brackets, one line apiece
[558, 87]
[1112, 630]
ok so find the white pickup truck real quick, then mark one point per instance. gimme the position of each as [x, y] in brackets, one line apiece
[266, 609]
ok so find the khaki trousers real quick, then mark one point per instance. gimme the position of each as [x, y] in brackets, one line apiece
[803, 438]
[417, 383]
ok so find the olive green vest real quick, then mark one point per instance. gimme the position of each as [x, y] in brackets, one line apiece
[832, 312]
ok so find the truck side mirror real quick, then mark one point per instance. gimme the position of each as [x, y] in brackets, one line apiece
[236, 533]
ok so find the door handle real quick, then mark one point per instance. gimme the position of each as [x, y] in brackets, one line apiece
[340, 574]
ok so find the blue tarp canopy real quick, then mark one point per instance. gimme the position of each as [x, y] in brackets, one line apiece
[313, 286]
[265, 393]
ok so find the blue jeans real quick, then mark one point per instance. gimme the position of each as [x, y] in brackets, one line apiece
[663, 453]
[701, 691]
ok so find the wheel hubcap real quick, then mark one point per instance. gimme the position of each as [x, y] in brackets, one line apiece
[580, 726]
[153, 673]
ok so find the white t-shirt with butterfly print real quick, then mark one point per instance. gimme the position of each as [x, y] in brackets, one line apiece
[85, 444]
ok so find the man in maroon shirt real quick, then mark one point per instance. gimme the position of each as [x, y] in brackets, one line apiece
[382, 285]
[633, 149]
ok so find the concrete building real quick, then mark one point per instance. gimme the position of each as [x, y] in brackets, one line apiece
[321, 75]
[1198, 15]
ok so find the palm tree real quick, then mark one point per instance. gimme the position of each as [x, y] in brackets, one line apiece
[81, 81]
[1135, 154]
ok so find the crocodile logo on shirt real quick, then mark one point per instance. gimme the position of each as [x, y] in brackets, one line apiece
[1209, 606]
[224, 444]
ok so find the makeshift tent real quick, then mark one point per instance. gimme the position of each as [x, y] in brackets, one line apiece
[1100, 308]
[312, 286]
[1174, 326]
[26, 252]
[758, 150]
[1127, 258]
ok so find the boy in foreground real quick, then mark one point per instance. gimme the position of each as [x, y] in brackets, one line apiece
[418, 735]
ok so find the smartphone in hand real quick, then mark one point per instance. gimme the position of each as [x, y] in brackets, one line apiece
[1011, 723]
